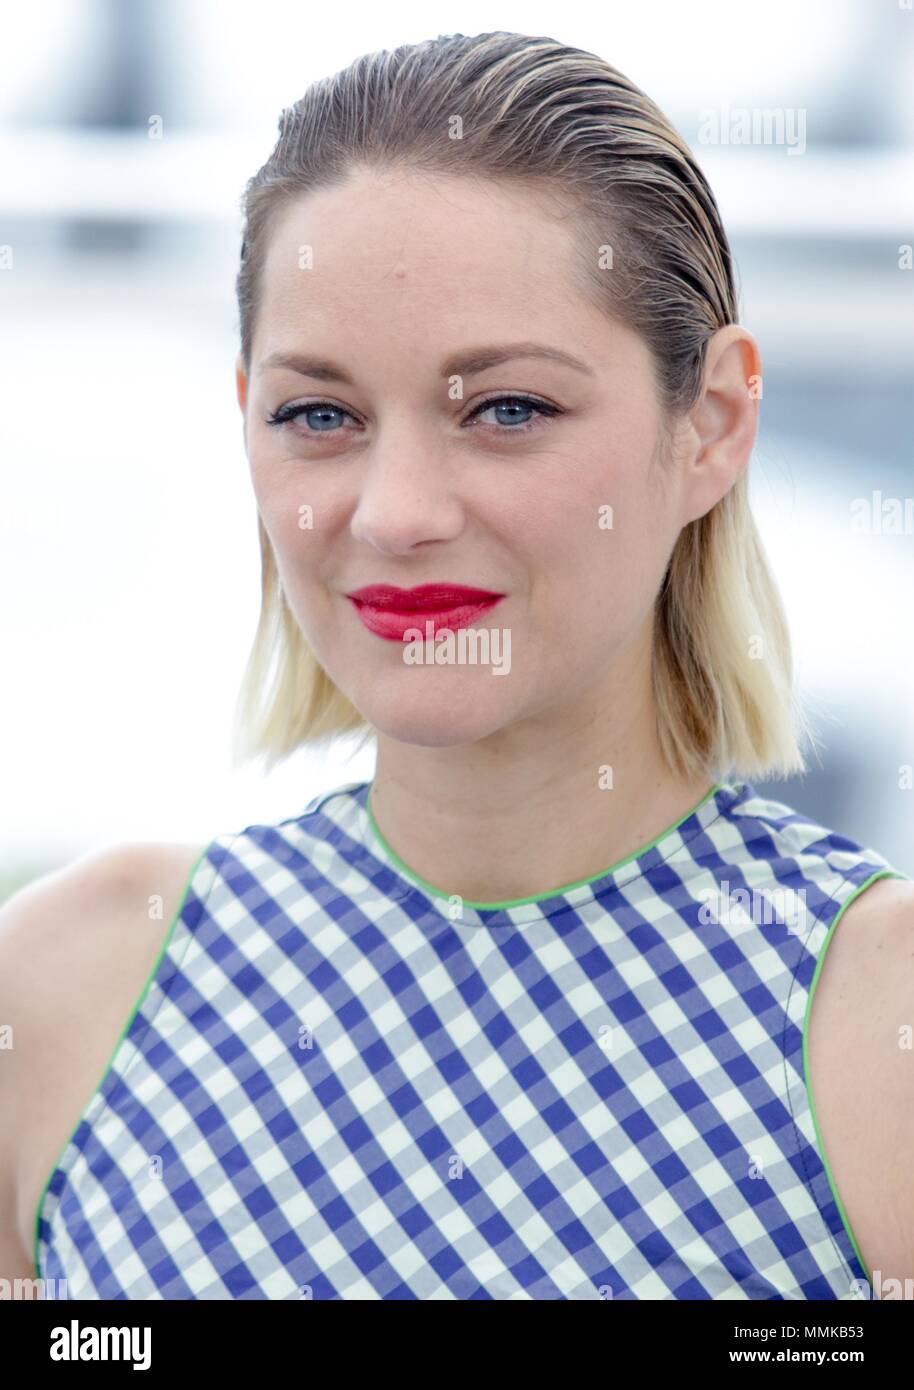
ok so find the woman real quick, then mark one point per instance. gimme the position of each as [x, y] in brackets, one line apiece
[419, 1041]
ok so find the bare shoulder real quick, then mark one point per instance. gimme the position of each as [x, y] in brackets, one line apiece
[861, 1055]
[95, 879]
[76, 948]
[80, 929]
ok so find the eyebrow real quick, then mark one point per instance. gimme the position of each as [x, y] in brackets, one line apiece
[466, 364]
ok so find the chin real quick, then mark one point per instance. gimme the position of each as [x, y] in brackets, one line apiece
[444, 717]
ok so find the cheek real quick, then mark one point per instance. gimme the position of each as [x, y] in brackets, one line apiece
[294, 509]
[602, 501]
[273, 480]
[595, 539]
[278, 511]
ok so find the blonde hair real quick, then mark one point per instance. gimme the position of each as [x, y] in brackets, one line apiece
[545, 116]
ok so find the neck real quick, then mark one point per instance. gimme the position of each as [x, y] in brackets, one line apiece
[541, 804]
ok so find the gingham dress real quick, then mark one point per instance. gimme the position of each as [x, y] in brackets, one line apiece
[341, 1084]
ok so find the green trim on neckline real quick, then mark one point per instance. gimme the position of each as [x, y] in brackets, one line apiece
[879, 873]
[536, 897]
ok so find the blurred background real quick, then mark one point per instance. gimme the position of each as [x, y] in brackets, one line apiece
[130, 568]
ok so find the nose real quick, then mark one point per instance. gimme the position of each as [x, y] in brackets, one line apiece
[406, 494]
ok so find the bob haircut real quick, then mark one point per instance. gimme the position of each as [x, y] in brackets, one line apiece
[548, 117]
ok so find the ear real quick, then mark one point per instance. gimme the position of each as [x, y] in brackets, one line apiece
[241, 382]
[724, 420]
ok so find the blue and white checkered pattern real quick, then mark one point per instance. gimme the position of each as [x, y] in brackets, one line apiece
[338, 1085]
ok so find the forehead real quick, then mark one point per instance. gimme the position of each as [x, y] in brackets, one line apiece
[385, 243]
[423, 220]
[392, 272]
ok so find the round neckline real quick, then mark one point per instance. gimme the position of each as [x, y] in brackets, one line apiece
[532, 907]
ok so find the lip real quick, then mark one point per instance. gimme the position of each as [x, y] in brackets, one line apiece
[391, 612]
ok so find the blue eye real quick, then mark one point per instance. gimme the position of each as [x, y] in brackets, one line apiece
[285, 413]
[323, 409]
[512, 402]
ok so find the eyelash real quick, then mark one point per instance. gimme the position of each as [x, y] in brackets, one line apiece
[287, 413]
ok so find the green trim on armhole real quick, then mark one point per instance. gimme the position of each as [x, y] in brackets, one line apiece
[136, 1008]
[880, 873]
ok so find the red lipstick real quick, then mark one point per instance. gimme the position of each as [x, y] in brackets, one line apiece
[391, 612]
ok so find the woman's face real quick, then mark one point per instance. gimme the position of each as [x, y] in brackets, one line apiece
[404, 473]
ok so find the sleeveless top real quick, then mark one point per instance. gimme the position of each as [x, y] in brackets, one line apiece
[339, 1083]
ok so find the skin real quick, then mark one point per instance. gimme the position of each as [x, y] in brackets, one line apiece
[486, 786]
